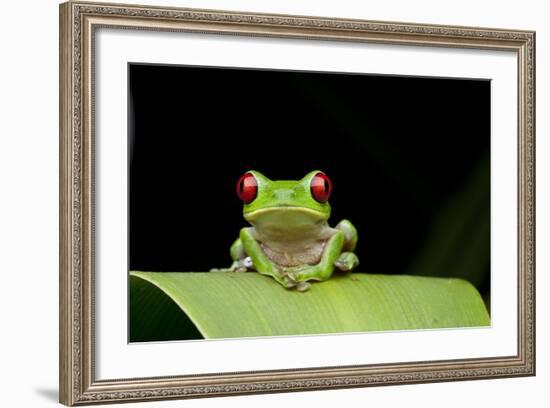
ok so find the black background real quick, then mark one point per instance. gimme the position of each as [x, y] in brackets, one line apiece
[403, 154]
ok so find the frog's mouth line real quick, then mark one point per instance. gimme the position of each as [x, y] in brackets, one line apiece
[253, 215]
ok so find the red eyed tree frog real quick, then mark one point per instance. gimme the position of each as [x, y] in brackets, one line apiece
[290, 239]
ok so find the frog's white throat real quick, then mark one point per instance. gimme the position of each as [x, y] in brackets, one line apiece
[288, 223]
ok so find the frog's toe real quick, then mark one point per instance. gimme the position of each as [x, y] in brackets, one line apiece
[231, 269]
[347, 261]
[247, 263]
[302, 286]
[292, 275]
[285, 281]
[289, 284]
[242, 265]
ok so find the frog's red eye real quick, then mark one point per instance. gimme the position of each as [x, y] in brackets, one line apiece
[247, 188]
[321, 187]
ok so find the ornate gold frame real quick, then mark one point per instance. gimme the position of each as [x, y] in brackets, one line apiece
[78, 21]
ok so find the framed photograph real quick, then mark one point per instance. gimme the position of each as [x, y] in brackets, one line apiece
[256, 203]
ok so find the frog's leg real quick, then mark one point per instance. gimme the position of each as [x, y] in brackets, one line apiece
[323, 270]
[241, 263]
[350, 234]
[260, 260]
[237, 250]
[347, 261]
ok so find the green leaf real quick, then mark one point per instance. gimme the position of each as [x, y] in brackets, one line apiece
[172, 305]
[155, 316]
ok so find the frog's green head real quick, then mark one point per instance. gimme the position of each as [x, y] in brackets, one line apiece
[285, 204]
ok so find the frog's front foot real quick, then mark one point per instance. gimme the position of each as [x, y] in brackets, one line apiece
[287, 278]
[290, 282]
[347, 261]
[291, 274]
[300, 277]
[241, 265]
[302, 286]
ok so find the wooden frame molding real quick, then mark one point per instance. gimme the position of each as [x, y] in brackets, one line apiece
[78, 22]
